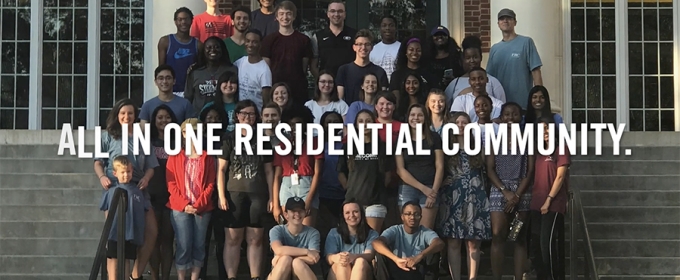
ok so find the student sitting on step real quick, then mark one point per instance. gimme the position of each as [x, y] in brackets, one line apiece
[296, 246]
[134, 217]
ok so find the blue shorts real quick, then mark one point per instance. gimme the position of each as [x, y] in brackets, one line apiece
[408, 193]
[287, 190]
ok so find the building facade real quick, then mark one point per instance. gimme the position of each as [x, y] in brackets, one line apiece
[614, 61]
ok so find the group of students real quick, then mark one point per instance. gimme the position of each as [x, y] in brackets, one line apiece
[391, 216]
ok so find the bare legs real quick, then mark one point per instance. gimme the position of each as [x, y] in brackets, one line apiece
[145, 251]
[499, 224]
[454, 253]
[361, 270]
[232, 249]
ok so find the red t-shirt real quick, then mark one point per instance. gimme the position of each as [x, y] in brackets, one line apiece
[396, 126]
[305, 162]
[546, 171]
[205, 26]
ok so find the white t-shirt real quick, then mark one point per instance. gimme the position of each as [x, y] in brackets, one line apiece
[493, 88]
[338, 106]
[385, 56]
[251, 79]
[466, 103]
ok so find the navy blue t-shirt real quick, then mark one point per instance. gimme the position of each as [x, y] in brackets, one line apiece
[135, 216]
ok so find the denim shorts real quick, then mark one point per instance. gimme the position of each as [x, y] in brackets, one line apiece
[408, 193]
[376, 211]
[288, 190]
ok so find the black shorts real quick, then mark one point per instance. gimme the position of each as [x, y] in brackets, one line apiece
[130, 250]
[246, 209]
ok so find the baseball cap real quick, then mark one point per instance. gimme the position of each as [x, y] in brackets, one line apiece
[295, 203]
[440, 29]
[506, 13]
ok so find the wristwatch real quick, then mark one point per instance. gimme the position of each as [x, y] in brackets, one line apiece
[502, 188]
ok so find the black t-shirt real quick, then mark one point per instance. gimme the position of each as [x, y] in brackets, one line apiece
[158, 187]
[335, 51]
[399, 77]
[351, 76]
[423, 167]
[246, 172]
[366, 180]
[438, 66]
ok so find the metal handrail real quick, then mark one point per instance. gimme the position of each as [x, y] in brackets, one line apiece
[578, 220]
[117, 208]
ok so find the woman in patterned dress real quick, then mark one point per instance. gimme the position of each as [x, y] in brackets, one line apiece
[511, 176]
[465, 207]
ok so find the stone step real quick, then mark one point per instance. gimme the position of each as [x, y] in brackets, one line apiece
[50, 196]
[632, 214]
[630, 198]
[84, 179]
[51, 229]
[33, 165]
[635, 266]
[637, 153]
[37, 151]
[636, 248]
[86, 247]
[625, 182]
[625, 167]
[639, 277]
[639, 231]
[42, 213]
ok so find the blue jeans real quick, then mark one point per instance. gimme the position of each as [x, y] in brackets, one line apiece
[190, 232]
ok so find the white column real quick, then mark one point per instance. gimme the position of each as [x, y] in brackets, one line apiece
[453, 17]
[35, 78]
[542, 21]
[159, 22]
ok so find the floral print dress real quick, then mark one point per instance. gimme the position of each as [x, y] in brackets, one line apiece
[464, 206]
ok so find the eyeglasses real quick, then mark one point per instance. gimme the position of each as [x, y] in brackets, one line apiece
[247, 114]
[415, 215]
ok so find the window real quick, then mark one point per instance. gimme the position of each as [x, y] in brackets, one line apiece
[14, 63]
[410, 14]
[64, 63]
[650, 35]
[593, 62]
[122, 54]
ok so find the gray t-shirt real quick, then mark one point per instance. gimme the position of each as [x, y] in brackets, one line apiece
[202, 86]
[334, 243]
[181, 107]
[406, 245]
[114, 147]
[511, 62]
[308, 238]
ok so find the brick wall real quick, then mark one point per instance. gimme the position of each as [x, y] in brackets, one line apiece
[478, 21]
[227, 5]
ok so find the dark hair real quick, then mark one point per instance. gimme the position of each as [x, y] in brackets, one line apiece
[511, 104]
[220, 112]
[455, 57]
[245, 104]
[401, 109]
[412, 203]
[472, 42]
[288, 90]
[317, 91]
[228, 76]
[272, 105]
[152, 121]
[241, 9]
[475, 161]
[362, 93]
[388, 16]
[364, 33]
[113, 126]
[325, 116]
[477, 69]
[183, 10]
[530, 116]
[362, 229]
[202, 60]
[402, 60]
[161, 68]
[256, 32]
